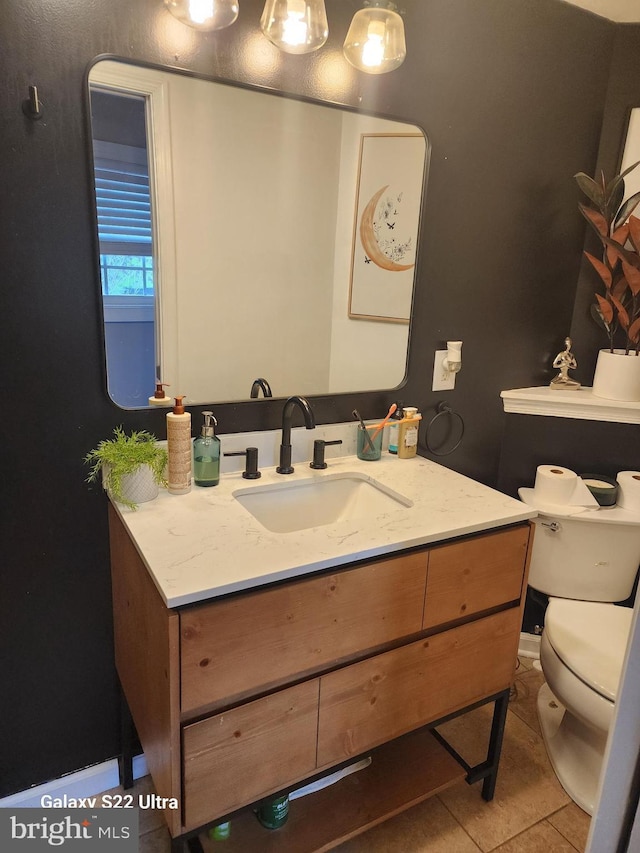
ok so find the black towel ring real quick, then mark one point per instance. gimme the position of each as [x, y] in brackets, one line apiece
[443, 409]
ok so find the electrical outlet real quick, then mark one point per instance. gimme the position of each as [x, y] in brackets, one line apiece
[443, 380]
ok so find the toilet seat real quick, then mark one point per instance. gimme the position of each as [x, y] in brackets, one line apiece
[590, 638]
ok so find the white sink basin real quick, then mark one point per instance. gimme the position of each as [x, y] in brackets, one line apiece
[300, 505]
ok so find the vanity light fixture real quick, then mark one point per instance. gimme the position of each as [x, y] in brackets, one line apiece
[295, 26]
[204, 14]
[375, 42]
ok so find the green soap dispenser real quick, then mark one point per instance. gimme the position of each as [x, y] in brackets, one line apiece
[206, 454]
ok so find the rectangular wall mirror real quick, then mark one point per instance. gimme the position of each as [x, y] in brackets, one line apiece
[244, 236]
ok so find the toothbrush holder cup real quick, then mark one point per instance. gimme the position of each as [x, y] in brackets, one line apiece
[364, 448]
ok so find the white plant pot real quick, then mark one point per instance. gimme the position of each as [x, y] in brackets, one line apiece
[140, 486]
[617, 376]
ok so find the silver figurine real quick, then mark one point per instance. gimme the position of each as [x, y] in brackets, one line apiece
[566, 361]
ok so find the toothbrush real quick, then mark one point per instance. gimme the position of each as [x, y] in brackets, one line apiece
[382, 424]
[356, 414]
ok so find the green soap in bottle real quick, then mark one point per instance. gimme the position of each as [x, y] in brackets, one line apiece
[275, 813]
[220, 832]
[206, 454]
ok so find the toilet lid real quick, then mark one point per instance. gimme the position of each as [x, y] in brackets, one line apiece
[590, 638]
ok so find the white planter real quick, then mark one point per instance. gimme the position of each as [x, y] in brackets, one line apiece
[140, 486]
[617, 376]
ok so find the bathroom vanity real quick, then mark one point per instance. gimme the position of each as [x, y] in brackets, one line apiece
[253, 661]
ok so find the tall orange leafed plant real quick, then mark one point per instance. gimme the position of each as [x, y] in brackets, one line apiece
[611, 217]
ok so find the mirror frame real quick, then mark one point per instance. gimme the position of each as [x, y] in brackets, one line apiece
[366, 400]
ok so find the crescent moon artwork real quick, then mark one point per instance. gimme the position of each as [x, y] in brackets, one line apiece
[383, 250]
[389, 183]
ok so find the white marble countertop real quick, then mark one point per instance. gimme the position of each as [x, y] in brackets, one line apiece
[205, 544]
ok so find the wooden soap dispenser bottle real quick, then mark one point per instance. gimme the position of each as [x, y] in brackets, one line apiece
[179, 449]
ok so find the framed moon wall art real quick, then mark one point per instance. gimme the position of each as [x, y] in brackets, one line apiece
[385, 230]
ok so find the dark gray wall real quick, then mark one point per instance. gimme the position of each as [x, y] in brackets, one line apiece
[582, 446]
[623, 94]
[511, 94]
[607, 448]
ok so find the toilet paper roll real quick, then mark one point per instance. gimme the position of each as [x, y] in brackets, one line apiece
[554, 484]
[629, 490]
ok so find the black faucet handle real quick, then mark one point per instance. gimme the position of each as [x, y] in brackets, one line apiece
[251, 468]
[318, 452]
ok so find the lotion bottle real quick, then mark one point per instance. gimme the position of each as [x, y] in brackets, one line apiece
[179, 449]
[408, 435]
[206, 454]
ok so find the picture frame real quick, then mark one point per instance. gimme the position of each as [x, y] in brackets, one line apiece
[389, 186]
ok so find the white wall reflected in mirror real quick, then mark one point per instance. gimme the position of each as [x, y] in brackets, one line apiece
[631, 154]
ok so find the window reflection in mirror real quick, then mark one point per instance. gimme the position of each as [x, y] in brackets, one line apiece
[252, 260]
[123, 206]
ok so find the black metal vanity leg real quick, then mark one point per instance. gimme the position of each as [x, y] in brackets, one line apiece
[186, 845]
[495, 745]
[127, 737]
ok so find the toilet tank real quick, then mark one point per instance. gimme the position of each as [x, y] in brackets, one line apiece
[583, 558]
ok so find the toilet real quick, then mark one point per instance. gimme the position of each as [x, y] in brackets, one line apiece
[583, 559]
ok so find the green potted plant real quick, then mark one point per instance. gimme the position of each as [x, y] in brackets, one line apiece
[132, 467]
[617, 310]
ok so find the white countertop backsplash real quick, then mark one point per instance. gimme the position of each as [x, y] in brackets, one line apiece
[268, 444]
[205, 544]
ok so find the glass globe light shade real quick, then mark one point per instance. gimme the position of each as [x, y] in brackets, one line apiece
[204, 14]
[375, 41]
[295, 26]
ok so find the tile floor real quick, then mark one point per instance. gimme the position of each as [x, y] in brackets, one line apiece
[529, 813]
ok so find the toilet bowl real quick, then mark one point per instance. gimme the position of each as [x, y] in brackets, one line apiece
[583, 560]
[582, 653]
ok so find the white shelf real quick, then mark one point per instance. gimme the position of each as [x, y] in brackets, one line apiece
[580, 404]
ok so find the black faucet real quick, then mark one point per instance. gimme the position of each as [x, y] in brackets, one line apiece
[285, 466]
[257, 385]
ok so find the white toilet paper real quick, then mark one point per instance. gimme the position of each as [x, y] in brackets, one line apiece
[554, 484]
[558, 486]
[629, 490]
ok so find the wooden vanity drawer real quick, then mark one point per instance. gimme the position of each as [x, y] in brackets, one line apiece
[256, 641]
[236, 757]
[475, 575]
[370, 702]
